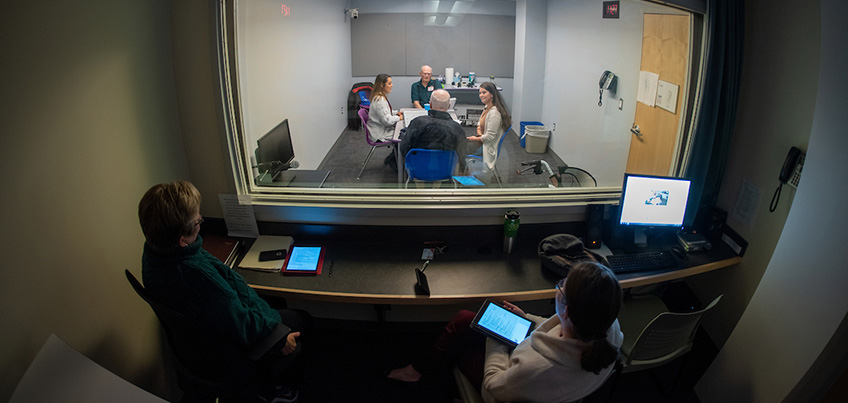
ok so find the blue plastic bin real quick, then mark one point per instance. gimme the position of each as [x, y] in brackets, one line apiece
[523, 126]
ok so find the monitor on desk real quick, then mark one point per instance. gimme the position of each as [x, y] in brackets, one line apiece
[274, 151]
[653, 201]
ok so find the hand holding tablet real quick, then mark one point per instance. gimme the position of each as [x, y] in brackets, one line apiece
[501, 324]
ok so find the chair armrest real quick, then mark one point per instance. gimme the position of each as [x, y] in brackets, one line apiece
[278, 333]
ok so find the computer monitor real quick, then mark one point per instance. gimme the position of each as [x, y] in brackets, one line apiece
[276, 147]
[652, 201]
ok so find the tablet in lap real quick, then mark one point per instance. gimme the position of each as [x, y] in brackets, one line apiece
[497, 322]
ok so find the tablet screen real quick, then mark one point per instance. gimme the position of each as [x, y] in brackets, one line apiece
[497, 322]
[304, 260]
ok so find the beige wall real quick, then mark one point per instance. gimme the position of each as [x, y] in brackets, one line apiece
[776, 105]
[789, 344]
[89, 121]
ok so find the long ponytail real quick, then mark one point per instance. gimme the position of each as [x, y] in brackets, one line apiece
[593, 297]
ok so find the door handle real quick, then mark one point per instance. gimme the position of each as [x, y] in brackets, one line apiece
[635, 130]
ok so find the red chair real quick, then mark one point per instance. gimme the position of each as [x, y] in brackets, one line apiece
[363, 114]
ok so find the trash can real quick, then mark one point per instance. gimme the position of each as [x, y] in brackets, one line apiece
[537, 139]
[524, 125]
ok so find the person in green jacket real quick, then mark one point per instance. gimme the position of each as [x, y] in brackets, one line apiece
[180, 274]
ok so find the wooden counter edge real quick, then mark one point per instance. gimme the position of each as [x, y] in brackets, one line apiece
[408, 299]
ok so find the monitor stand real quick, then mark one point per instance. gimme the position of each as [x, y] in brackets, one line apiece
[640, 238]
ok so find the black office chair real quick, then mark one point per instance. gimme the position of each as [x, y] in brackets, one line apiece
[207, 366]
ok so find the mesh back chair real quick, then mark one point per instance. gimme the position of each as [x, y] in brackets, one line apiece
[497, 154]
[430, 165]
[363, 115]
[208, 367]
[653, 336]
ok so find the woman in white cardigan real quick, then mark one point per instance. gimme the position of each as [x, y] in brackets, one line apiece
[566, 358]
[381, 121]
[493, 122]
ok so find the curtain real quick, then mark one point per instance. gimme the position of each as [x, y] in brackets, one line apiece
[719, 100]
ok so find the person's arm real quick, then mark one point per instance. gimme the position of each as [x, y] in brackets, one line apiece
[416, 98]
[505, 382]
[245, 321]
[383, 114]
[493, 124]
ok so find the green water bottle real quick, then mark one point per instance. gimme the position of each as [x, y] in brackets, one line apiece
[511, 221]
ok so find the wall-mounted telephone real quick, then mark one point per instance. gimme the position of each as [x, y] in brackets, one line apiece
[790, 174]
[607, 82]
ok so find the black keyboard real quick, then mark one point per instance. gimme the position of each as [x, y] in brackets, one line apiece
[644, 261]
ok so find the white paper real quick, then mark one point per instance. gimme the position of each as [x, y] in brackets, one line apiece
[647, 93]
[238, 215]
[745, 209]
[667, 95]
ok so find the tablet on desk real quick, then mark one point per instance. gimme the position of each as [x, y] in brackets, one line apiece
[304, 260]
[497, 322]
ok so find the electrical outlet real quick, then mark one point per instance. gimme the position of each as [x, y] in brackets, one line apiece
[342, 111]
[553, 127]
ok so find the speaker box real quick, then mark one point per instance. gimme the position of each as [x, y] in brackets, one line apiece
[594, 226]
[614, 233]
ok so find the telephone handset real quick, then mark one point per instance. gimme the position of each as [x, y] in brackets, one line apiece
[790, 174]
[791, 171]
[607, 82]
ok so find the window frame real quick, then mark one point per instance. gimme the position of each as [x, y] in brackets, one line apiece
[399, 206]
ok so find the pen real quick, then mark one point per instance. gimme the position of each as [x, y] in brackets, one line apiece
[425, 266]
[331, 267]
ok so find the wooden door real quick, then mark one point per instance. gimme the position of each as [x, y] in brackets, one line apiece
[665, 51]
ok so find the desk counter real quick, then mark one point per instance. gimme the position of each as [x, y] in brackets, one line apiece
[383, 273]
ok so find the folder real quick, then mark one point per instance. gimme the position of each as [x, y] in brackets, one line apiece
[266, 243]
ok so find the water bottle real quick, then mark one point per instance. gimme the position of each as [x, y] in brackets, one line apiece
[511, 221]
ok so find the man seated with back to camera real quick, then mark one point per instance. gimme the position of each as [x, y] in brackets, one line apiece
[180, 274]
[436, 131]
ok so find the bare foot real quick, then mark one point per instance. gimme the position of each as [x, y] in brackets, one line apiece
[405, 374]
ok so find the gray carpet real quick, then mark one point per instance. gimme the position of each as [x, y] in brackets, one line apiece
[345, 159]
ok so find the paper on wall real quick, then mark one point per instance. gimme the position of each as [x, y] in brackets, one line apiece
[667, 95]
[647, 93]
[238, 215]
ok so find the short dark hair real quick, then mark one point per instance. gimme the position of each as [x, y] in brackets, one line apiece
[166, 212]
[593, 297]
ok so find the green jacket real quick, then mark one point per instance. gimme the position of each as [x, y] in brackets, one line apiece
[193, 282]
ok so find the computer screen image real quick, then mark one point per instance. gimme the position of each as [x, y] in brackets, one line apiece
[276, 146]
[653, 201]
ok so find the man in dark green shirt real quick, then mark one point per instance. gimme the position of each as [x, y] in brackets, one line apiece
[422, 89]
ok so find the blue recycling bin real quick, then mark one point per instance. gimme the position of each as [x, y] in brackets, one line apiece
[524, 124]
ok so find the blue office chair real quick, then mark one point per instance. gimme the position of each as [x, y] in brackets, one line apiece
[430, 165]
[363, 114]
[498, 153]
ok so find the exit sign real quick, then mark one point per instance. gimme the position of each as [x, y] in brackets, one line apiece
[610, 9]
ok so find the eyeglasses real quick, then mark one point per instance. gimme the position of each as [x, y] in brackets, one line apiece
[198, 222]
[560, 283]
[560, 286]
